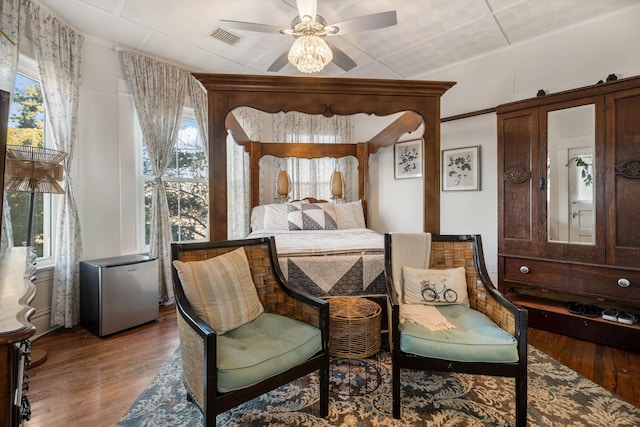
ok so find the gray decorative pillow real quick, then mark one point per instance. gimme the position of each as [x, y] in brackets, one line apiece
[311, 216]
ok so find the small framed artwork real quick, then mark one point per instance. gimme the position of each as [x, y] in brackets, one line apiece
[461, 169]
[407, 158]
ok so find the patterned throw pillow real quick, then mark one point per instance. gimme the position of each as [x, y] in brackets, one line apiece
[434, 286]
[311, 216]
[221, 290]
[350, 215]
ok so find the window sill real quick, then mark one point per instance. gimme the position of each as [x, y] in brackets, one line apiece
[44, 264]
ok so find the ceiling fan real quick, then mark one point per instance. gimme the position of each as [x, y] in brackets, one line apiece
[310, 51]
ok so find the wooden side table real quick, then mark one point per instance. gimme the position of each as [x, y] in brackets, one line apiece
[354, 327]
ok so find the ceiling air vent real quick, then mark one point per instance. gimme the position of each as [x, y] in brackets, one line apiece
[226, 36]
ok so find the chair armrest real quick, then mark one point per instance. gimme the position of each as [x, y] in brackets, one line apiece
[286, 300]
[197, 347]
[509, 316]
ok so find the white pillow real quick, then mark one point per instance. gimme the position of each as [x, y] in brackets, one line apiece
[257, 218]
[350, 215]
[221, 290]
[435, 286]
[311, 216]
[275, 216]
[269, 217]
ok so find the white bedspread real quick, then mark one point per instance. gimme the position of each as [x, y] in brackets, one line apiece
[324, 242]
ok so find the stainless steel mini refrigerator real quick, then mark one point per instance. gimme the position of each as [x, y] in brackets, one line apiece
[118, 293]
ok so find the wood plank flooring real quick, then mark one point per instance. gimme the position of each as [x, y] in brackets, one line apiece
[91, 381]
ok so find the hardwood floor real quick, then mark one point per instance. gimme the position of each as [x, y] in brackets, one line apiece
[615, 370]
[91, 381]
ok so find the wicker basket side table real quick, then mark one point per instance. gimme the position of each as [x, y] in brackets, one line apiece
[354, 327]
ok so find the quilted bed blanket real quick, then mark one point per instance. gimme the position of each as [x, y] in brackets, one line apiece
[331, 262]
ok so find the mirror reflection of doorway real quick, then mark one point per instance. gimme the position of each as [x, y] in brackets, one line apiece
[580, 180]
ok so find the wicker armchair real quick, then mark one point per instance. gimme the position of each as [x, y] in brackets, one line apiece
[451, 252]
[199, 342]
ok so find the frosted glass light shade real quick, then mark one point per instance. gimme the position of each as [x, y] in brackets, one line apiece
[310, 53]
[336, 185]
[282, 184]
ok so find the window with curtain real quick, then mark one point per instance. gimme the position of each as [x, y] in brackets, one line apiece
[27, 126]
[186, 183]
[311, 177]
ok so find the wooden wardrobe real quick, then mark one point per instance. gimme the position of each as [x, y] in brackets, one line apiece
[569, 208]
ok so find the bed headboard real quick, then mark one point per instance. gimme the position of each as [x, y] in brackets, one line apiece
[420, 100]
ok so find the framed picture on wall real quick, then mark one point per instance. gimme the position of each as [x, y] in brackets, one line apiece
[407, 157]
[461, 169]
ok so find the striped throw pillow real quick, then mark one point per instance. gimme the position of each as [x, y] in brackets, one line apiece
[221, 290]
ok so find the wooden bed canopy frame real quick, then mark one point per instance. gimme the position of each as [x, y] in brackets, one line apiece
[418, 100]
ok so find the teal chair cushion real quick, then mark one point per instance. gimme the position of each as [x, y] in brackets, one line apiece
[262, 348]
[475, 338]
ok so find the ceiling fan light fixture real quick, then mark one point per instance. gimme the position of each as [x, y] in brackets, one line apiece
[310, 53]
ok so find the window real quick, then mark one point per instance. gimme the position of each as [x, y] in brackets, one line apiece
[27, 126]
[186, 184]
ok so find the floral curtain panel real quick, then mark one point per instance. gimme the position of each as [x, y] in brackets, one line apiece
[158, 92]
[310, 178]
[58, 53]
[198, 95]
[238, 173]
[12, 22]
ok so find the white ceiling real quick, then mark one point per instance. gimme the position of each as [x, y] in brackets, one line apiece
[430, 34]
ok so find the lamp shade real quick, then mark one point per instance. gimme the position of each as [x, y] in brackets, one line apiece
[310, 53]
[282, 184]
[336, 185]
[34, 169]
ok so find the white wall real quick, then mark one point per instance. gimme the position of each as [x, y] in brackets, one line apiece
[474, 212]
[98, 154]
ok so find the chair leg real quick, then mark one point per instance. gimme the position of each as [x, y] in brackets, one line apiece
[324, 392]
[521, 401]
[395, 385]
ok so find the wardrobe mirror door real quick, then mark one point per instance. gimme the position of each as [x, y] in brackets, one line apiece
[571, 204]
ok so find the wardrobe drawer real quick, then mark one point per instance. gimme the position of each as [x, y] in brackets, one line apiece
[609, 283]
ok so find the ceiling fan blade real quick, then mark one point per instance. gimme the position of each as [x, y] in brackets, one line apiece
[250, 26]
[341, 59]
[307, 8]
[366, 22]
[279, 63]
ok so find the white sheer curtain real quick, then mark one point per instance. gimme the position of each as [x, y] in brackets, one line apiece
[238, 188]
[58, 53]
[310, 178]
[12, 20]
[198, 95]
[158, 92]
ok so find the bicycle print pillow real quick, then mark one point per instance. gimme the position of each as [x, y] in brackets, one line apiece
[435, 286]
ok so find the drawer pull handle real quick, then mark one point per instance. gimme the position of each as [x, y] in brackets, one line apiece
[524, 269]
[624, 283]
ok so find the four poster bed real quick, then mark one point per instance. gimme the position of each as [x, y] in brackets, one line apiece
[343, 257]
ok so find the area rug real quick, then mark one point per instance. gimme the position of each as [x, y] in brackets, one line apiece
[360, 396]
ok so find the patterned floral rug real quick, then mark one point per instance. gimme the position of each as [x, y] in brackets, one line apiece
[361, 396]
